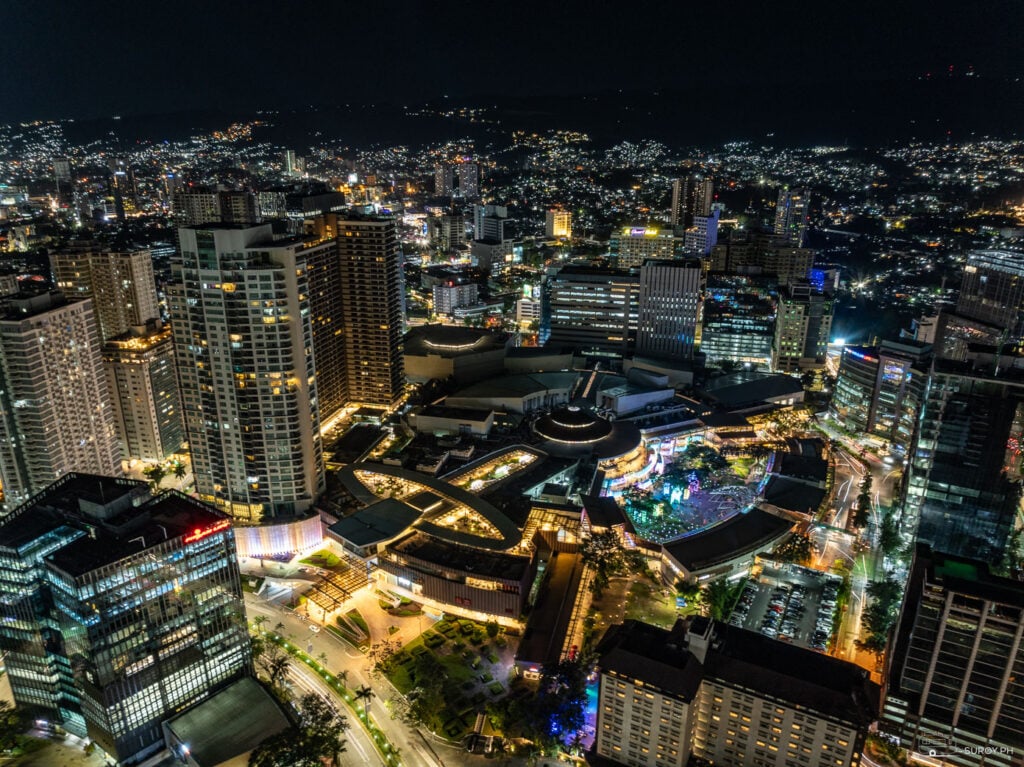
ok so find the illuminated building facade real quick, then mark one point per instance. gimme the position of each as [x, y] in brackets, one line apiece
[992, 290]
[119, 609]
[668, 324]
[802, 329]
[596, 309]
[791, 213]
[120, 284]
[879, 389]
[55, 412]
[373, 293]
[633, 245]
[558, 224]
[144, 393]
[738, 319]
[243, 339]
[727, 696]
[691, 197]
[955, 666]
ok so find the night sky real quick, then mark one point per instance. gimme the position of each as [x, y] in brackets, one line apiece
[79, 58]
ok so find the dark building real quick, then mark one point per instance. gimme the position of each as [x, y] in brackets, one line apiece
[118, 609]
[739, 319]
[955, 666]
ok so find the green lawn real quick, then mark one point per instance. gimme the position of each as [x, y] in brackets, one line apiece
[645, 602]
[359, 620]
[324, 559]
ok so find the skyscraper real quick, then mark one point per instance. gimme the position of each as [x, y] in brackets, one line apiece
[739, 319]
[802, 329]
[633, 245]
[702, 236]
[144, 392]
[55, 413]
[668, 323]
[243, 340]
[691, 197]
[489, 222]
[444, 180]
[955, 687]
[791, 214]
[119, 610]
[963, 486]
[992, 290]
[469, 180]
[120, 283]
[372, 300]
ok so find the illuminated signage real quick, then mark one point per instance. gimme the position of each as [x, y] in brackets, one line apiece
[202, 532]
[640, 231]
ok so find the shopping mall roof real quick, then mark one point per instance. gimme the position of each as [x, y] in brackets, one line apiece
[737, 536]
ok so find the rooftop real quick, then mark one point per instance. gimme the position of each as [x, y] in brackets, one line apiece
[232, 722]
[461, 558]
[739, 535]
[452, 341]
[518, 385]
[793, 495]
[750, 387]
[376, 523]
[641, 651]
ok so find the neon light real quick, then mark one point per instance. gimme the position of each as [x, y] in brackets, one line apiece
[202, 532]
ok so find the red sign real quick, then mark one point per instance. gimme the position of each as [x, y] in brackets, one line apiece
[202, 532]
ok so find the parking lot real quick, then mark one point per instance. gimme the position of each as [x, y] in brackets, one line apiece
[792, 604]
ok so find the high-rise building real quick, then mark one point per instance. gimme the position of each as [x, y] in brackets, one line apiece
[802, 328]
[954, 691]
[702, 236]
[55, 412]
[879, 389]
[237, 207]
[62, 177]
[558, 224]
[195, 207]
[144, 392]
[452, 296]
[492, 255]
[120, 283]
[691, 197]
[119, 610]
[669, 304]
[992, 290]
[791, 212]
[633, 245]
[469, 180]
[291, 164]
[739, 319]
[963, 486]
[727, 696]
[447, 232]
[444, 180]
[372, 314]
[593, 308]
[243, 339]
[752, 252]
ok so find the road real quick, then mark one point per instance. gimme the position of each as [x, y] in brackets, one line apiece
[343, 657]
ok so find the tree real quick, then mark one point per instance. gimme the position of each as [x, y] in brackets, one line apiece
[365, 694]
[275, 662]
[382, 652]
[889, 535]
[492, 628]
[719, 596]
[11, 725]
[179, 470]
[155, 474]
[604, 554]
[342, 676]
[880, 615]
[318, 738]
[797, 548]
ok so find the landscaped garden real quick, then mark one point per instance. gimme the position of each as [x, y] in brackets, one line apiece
[450, 672]
[325, 559]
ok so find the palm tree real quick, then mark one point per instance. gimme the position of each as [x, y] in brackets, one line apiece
[155, 474]
[322, 659]
[342, 676]
[365, 694]
[258, 622]
[179, 470]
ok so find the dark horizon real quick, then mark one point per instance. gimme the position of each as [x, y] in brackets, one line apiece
[87, 61]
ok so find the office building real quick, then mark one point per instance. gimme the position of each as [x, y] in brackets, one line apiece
[791, 214]
[761, 253]
[119, 610]
[669, 309]
[243, 340]
[739, 319]
[62, 177]
[558, 224]
[144, 392]
[120, 283]
[727, 696]
[992, 290]
[633, 245]
[372, 313]
[489, 222]
[494, 257]
[702, 236]
[592, 308]
[469, 180]
[452, 296]
[963, 486]
[879, 389]
[55, 411]
[444, 180]
[802, 329]
[447, 232]
[954, 689]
